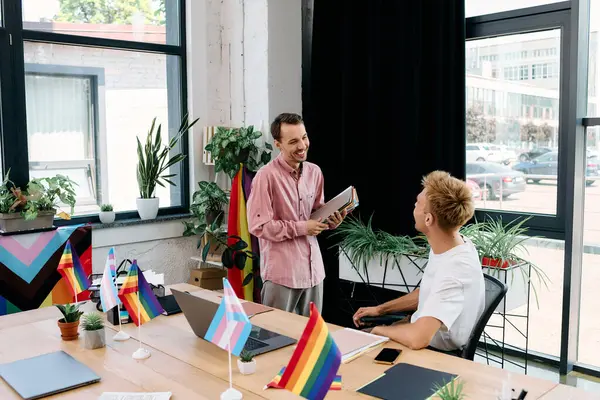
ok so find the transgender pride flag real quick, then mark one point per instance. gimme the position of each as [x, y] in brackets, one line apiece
[230, 325]
[108, 290]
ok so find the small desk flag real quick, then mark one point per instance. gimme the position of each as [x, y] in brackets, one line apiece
[108, 290]
[230, 325]
[71, 269]
[315, 362]
[138, 298]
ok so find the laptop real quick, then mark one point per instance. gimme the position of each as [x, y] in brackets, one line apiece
[45, 375]
[199, 313]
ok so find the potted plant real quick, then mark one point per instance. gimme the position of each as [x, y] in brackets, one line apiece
[501, 248]
[153, 162]
[235, 249]
[208, 201]
[107, 214]
[449, 391]
[246, 363]
[36, 207]
[69, 324]
[231, 147]
[93, 326]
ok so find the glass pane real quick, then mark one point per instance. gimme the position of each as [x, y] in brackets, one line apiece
[85, 108]
[512, 121]
[589, 324]
[481, 7]
[155, 21]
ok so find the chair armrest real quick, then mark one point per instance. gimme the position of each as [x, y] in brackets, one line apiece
[386, 319]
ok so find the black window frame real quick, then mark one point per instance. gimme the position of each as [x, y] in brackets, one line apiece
[573, 124]
[13, 129]
[541, 18]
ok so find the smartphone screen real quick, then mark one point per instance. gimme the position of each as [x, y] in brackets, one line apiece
[387, 355]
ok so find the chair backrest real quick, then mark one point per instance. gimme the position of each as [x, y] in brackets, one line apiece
[495, 291]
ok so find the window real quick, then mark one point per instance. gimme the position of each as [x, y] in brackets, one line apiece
[90, 85]
[482, 7]
[140, 21]
[516, 130]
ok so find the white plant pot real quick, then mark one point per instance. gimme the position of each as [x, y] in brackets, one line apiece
[411, 275]
[107, 217]
[246, 368]
[94, 339]
[147, 208]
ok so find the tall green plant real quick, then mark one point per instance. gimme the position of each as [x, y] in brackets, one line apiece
[153, 162]
[231, 147]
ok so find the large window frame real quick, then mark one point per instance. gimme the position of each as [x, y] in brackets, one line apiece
[13, 126]
[573, 19]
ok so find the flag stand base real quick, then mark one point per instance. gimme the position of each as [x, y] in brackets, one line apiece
[231, 394]
[141, 354]
[121, 336]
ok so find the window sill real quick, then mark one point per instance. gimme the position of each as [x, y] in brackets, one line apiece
[135, 230]
[137, 221]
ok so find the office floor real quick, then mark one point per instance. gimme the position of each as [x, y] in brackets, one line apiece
[543, 371]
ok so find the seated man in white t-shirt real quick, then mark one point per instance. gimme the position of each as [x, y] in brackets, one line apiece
[451, 298]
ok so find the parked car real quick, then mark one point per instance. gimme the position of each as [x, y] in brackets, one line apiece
[547, 164]
[497, 180]
[475, 189]
[533, 153]
[482, 152]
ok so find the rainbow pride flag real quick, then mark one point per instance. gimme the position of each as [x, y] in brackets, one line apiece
[138, 298]
[237, 225]
[71, 269]
[315, 362]
[335, 385]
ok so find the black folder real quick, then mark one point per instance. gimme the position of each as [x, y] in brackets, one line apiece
[407, 382]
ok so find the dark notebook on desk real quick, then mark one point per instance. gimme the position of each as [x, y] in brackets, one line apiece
[45, 375]
[406, 382]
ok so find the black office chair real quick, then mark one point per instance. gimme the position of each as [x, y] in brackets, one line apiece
[495, 291]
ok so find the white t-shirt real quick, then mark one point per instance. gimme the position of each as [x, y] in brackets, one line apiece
[453, 291]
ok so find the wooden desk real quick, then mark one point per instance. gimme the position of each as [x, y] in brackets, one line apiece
[192, 368]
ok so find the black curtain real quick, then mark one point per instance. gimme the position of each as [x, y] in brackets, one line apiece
[386, 106]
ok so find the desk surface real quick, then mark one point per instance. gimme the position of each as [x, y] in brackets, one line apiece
[193, 368]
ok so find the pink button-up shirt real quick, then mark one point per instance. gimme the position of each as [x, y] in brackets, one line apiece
[281, 201]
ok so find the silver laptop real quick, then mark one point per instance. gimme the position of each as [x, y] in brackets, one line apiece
[45, 375]
[199, 313]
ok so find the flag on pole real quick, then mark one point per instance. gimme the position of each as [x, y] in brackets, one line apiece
[145, 304]
[230, 325]
[108, 290]
[335, 385]
[71, 269]
[315, 362]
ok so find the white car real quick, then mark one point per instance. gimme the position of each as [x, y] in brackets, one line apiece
[483, 152]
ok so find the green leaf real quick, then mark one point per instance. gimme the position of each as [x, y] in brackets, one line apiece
[247, 279]
[239, 245]
[268, 146]
[205, 251]
[227, 258]
[240, 260]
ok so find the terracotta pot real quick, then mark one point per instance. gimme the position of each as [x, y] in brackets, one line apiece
[495, 263]
[68, 330]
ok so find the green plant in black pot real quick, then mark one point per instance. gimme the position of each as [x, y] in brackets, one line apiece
[208, 201]
[231, 147]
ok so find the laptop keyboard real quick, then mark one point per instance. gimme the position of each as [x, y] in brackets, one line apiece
[253, 344]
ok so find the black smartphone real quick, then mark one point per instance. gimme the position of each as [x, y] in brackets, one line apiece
[387, 356]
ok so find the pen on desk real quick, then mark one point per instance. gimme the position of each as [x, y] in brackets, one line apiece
[522, 395]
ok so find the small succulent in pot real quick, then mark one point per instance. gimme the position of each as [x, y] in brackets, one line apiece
[93, 325]
[107, 214]
[69, 324]
[246, 362]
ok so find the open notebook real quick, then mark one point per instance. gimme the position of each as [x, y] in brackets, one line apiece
[352, 343]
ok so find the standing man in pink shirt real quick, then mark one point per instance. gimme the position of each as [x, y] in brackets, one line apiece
[285, 192]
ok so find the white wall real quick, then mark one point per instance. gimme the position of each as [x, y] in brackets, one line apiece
[244, 67]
